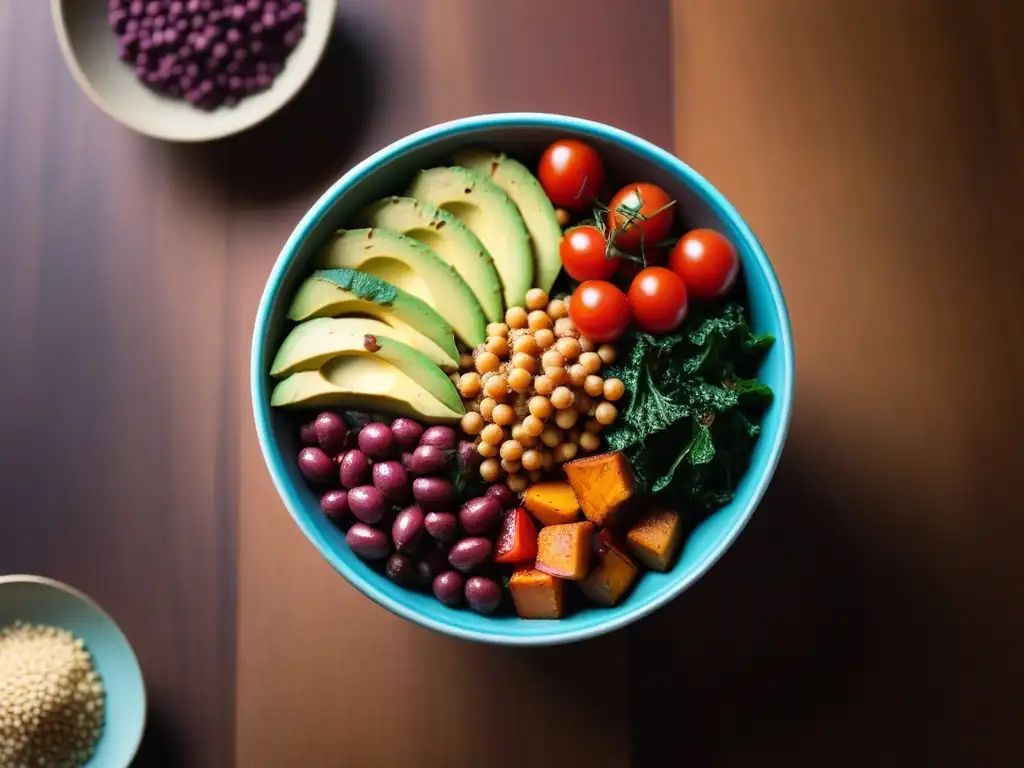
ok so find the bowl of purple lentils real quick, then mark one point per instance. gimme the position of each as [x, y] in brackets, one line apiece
[192, 70]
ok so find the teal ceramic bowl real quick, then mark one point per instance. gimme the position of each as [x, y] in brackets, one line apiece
[38, 600]
[626, 157]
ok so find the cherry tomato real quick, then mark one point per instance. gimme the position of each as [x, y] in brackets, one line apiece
[599, 310]
[707, 262]
[583, 254]
[571, 173]
[641, 213]
[657, 299]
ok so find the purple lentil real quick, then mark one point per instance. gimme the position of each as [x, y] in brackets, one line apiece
[209, 53]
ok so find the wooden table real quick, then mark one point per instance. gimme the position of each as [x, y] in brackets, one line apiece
[866, 617]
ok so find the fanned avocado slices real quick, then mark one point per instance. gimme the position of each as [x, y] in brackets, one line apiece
[534, 207]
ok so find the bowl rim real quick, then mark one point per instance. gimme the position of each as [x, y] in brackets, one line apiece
[85, 84]
[422, 138]
[60, 586]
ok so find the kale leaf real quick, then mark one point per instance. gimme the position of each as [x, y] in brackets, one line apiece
[691, 415]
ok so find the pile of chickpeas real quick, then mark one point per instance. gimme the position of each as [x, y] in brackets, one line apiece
[533, 391]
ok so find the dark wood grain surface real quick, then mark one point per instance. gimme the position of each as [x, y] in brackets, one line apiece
[867, 617]
[868, 614]
[117, 458]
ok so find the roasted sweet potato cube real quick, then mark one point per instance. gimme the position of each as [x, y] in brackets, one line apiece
[603, 485]
[537, 595]
[655, 539]
[552, 503]
[564, 550]
[614, 573]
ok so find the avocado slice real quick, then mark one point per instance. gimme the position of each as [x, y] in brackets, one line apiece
[451, 240]
[481, 205]
[534, 206]
[365, 382]
[336, 292]
[314, 342]
[413, 267]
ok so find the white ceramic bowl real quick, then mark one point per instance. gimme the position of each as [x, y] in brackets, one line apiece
[90, 50]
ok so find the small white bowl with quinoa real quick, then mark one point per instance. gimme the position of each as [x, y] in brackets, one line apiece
[71, 689]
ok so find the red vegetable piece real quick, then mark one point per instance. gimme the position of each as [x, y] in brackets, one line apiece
[517, 540]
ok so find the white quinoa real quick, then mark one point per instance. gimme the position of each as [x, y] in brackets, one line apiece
[51, 698]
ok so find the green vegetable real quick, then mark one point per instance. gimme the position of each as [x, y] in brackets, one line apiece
[365, 286]
[691, 415]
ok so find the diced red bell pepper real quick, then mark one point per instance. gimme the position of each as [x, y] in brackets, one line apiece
[517, 540]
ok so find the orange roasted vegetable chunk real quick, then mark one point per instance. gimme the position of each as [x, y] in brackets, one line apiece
[603, 484]
[537, 595]
[517, 540]
[655, 539]
[564, 550]
[615, 573]
[552, 503]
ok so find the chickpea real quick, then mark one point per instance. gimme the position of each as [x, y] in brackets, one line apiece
[577, 374]
[487, 362]
[544, 338]
[607, 353]
[565, 452]
[540, 407]
[535, 476]
[472, 423]
[593, 386]
[487, 450]
[551, 436]
[517, 432]
[562, 217]
[517, 483]
[497, 387]
[465, 360]
[557, 309]
[497, 345]
[532, 460]
[520, 379]
[511, 450]
[532, 426]
[606, 413]
[490, 470]
[543, 385]
[524, 361]
[539, 320]
[511, 466]
[569, 347]
[565, 419]
[454, 378]
[591, 362]
[526, 345]
[593, 425]
[487, 408]
[536, 298]
[614, 389]
[516, 317]
[552, 359]
[503, 415]
[562, 397]
[589, 442]
[469, 384]
[558, 376]
[564, 326]
[586, 344]
[493, 434]
[497, 329]
[528, 442]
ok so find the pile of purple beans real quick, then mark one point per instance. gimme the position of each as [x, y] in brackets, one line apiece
[389, 484]
[209, 52]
